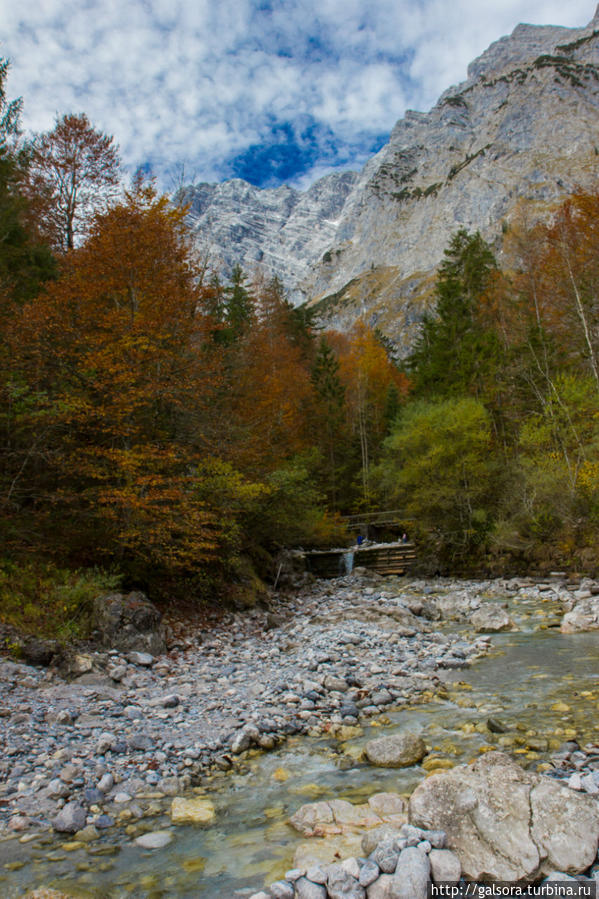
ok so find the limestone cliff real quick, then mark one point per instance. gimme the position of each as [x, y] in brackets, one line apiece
[523, 127]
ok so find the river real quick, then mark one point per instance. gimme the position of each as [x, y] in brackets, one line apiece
[538, 686]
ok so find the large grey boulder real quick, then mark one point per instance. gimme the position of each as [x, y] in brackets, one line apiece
[583, 617]
[508, 824]
[412, 874]
[456, 606]
[128, 623]
[492, 618]
[395, 750]
[445, 866]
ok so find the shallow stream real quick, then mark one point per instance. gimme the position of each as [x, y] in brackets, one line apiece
[539, 688]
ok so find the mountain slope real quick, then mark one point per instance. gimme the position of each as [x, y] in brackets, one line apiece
[524, 126]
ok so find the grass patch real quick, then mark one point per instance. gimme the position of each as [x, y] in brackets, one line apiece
[39, 598]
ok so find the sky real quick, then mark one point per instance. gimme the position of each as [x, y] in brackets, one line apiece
[273, 92]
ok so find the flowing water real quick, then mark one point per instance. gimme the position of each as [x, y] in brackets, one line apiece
[539, 687]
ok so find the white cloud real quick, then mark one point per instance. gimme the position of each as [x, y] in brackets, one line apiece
[199, 81]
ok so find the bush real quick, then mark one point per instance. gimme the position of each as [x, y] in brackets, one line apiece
[41, 599]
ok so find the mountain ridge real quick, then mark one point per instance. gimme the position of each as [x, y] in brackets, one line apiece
[523, 126]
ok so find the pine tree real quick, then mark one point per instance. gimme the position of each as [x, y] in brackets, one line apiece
[453, 352]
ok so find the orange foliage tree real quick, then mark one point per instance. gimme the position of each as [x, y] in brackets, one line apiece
[73, 174]
[369, 379]
[113, 361]
[270, 386]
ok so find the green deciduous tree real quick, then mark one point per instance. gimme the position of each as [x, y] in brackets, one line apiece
[438, 466]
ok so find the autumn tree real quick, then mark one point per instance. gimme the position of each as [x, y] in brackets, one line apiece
[73, 174]
[270, 386]
[110, 358]
[369, 378]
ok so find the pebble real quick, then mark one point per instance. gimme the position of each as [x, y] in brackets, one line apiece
[226, 689]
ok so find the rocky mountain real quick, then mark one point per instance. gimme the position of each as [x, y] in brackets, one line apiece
[280, 231]
[522, 129]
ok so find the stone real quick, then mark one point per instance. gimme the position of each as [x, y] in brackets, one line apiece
[144, 659]
[385, 856]
[395, 750]
[342, 885]
[383, 888]
[157, 839]
[445, 866]
[389, 806]
[281, 889]
[491, 618]
[508, 824]
[191, 811]
[129, 623]
[583, 617]
[317, 874]
[372, 838]
[56, 789]
[71, 818]
[305, 889]
[141, 742]
[352, 866]
[310, 817]
[368, 873]
[106, 782]
[105, 743]
[412, 874]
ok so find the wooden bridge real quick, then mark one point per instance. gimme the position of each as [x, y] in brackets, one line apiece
[391, 517]
[384, 558]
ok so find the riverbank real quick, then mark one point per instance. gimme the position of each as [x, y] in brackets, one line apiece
[114, 746]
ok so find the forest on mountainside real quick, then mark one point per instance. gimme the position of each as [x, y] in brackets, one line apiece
[165, 430]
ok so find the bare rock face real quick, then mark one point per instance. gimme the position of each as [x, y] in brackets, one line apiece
[524, 125]
[505, 823]
[129, 623]
[280, 231]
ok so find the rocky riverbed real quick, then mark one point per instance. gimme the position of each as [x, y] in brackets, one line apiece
[127, 735]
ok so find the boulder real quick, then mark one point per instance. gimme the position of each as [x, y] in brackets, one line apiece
[583, 617]
[39, 651]
[128, 623]
[456, 606]
[395, 750]
[305, 889]
[445, 866]
[508, 824]
[492, 618]
[412, 874]
[334, 817]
